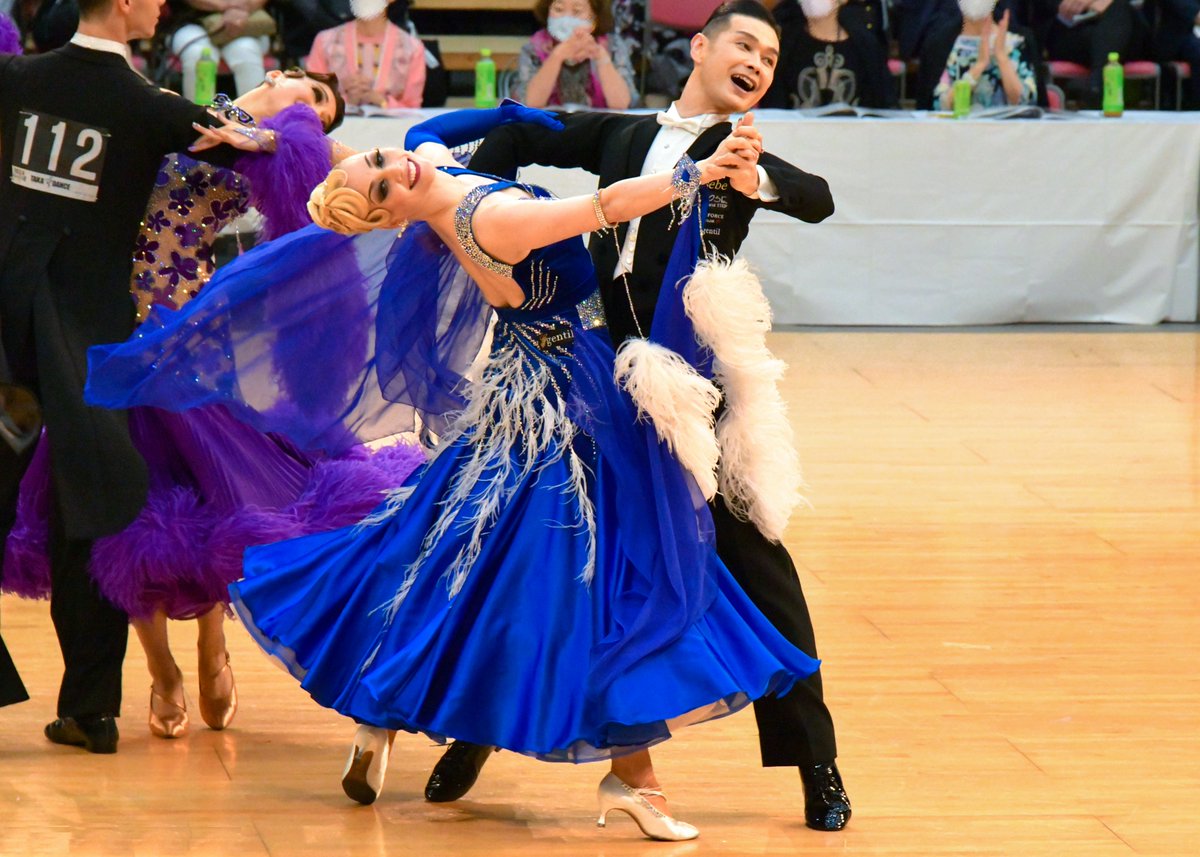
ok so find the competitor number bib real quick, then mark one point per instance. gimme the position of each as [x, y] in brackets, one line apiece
[58, 156]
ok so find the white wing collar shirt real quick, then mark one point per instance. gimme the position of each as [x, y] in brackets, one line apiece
[674, 138]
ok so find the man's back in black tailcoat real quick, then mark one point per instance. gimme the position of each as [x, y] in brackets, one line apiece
[798, 729]
[81, 139]
[65, 263]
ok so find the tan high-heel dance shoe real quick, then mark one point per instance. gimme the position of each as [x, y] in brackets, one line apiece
[168, 719]
[615, 794]
[218, 712]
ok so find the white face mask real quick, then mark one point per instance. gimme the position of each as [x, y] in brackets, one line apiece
[561, 27]
[976, 10]
[365, 10]
[817, 8]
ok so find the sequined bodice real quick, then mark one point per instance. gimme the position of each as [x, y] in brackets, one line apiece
[555, 279]
[190, 204]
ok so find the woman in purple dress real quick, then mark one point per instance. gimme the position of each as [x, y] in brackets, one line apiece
[217, 486]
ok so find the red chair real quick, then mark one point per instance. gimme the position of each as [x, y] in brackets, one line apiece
[1142, 70]
[1183, 72]
[1136, 70]
[1054, 97]
[684, 15]
[898, 69]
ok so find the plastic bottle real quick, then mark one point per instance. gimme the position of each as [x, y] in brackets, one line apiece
[1114, 86]
[962, 93]
[206, 78]
[485, 80]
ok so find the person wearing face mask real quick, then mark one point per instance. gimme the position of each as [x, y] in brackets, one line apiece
[378, 63]
[823, 62]
[999, 64]
[575, 58]
[734, 60]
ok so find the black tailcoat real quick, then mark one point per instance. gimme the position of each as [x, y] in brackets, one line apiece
[65, 261]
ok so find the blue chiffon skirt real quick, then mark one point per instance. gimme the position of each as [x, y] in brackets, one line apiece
[526, 656]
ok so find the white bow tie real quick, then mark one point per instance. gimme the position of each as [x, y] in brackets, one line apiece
[694, 125]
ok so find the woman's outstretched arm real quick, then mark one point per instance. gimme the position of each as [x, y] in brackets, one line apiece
[509, 228]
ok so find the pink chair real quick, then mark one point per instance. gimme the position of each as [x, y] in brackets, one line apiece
[1183, 72]
[1136, 70]
[898, 69]
[684, 15]
[1054, 97]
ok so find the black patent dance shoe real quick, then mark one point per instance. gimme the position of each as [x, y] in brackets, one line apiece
[826, 804]
[94, 734]
[456, 771]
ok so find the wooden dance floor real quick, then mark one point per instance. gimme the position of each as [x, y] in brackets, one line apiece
[1003, 561]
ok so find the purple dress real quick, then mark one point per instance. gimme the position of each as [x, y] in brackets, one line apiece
[217, 486]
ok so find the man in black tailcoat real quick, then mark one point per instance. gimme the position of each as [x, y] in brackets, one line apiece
[734, 57]
[81, 139]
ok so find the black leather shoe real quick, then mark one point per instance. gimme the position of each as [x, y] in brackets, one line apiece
[456, 771]
[826, 805]
[94, 734]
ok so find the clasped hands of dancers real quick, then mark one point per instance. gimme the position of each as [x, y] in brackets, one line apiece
[562, 456]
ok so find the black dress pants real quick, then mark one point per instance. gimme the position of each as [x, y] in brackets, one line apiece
[92, 633]
[796, 729]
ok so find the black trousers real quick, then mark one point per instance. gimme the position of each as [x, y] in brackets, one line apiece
[92, 633]
[796, 729]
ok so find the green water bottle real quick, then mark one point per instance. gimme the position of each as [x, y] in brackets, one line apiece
[962, 93]
[206, 78]
[485, 80]
[1114, 86]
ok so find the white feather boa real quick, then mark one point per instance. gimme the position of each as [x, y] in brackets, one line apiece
[677, 400]
[759, 473]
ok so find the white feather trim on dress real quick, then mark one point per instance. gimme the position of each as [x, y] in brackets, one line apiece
[677, 400]
[759, 472]
[516, 423]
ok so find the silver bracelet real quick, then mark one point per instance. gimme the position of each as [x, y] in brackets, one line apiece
[599, 210]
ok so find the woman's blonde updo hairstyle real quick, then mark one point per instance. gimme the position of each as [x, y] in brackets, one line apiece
[334, 206]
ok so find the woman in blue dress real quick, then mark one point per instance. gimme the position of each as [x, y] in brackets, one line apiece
[547, 583]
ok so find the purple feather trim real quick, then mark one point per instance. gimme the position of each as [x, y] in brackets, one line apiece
[180, 555]
[26, 568]
[280, 183]
[10, 36]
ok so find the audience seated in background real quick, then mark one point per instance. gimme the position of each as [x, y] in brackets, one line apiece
[945, 48]
[236, 31]
[868, 15]
[823, 61]
[1175, 39]
[575, 58]
[1084, 32]
[377, 62]
[918, 19]
[301, 20]
[999, 65]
